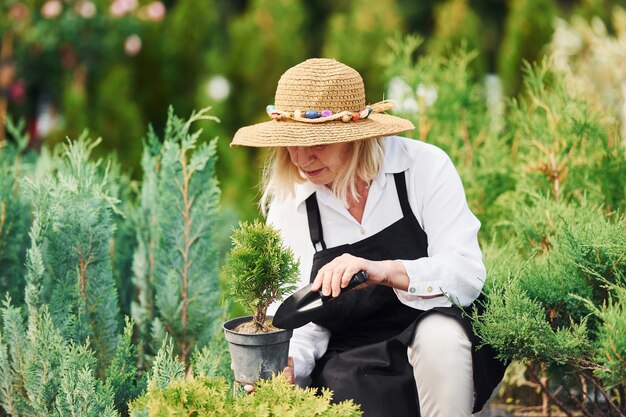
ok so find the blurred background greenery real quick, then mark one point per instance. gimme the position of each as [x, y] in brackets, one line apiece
[116, 65]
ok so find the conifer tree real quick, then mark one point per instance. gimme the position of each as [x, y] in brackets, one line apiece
[15, 212]
[70, 254]
[142, 307]
[176, 259]
[122, 188]
[44, 374]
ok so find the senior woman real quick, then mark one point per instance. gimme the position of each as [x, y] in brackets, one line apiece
[347, 195]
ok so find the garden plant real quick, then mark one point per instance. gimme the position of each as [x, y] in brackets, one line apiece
[258, 272]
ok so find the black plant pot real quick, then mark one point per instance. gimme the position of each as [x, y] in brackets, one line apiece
[256, 356]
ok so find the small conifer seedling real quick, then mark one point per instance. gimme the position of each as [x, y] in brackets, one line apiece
[259, 269]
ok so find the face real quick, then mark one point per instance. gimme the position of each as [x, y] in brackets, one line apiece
[321, 163]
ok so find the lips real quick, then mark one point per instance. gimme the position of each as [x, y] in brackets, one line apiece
[314, 172]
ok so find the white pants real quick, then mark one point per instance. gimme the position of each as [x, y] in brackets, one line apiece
[441, 356]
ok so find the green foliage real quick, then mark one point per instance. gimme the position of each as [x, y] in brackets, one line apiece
[121, 188]
[525, 34]
[457, 24]
[114, 100]
[80, 393]
[357, 34]
[443, 100]
[611, 339]
[213, 359]
[43, 374]
[259, 269]
[71, 234]
[121, 375]
[177, 260]
[166, 368]
[563, 145]
[515, 325]
[15, 212]
[192, 28]
[212, 396]
[142, 307]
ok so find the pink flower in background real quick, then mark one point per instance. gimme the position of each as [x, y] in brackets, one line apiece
[121, 7]
[132, 46]
[86, 9]
[154, 11]
[51, 9]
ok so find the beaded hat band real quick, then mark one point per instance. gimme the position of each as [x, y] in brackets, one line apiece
[321, 101]
[314, 116]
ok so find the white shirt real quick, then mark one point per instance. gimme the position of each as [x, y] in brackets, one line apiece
[454, 264]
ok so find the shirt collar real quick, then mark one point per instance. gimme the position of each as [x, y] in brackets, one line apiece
[396, 160]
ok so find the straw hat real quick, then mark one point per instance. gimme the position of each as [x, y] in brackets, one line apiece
[321, 101]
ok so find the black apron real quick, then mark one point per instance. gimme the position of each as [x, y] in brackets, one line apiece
[370, 328]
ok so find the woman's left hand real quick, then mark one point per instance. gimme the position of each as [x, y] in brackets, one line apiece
[336, 274]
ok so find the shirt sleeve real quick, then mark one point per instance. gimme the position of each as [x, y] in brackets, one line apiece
[307, 344]
[454, 266]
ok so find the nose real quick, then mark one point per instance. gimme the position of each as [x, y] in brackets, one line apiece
[300, 155]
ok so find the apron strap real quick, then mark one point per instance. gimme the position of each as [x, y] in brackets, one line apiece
[402, 193]
[315, 222]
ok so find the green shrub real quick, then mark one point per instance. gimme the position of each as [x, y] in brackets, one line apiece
[171, 394]
[259, 269]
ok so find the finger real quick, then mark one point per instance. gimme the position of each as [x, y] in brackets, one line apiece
[336, 281]
[319, 280]
[290, 371]
[347, 276]
[249, 388]
[327, 283]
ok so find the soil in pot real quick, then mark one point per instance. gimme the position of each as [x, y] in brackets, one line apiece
[250, 328]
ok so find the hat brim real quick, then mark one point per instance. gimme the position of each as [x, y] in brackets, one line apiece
[293, 133]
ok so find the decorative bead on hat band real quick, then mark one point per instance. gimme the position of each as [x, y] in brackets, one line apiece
[314, 116]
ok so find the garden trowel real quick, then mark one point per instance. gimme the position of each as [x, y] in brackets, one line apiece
[306, 305]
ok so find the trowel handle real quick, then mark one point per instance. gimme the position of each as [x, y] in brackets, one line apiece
[356, 280]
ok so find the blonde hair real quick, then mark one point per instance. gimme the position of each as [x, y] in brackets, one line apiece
[280, 175]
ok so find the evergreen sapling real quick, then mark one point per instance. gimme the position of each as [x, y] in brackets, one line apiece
[259, 270]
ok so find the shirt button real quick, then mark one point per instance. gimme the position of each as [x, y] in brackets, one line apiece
[362, 231]
[412, 290]
[429, 289]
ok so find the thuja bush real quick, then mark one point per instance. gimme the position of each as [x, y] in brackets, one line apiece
[259, 269]
[176, 260]
[171, 393]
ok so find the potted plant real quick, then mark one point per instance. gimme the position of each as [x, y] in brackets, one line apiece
[258, 271]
